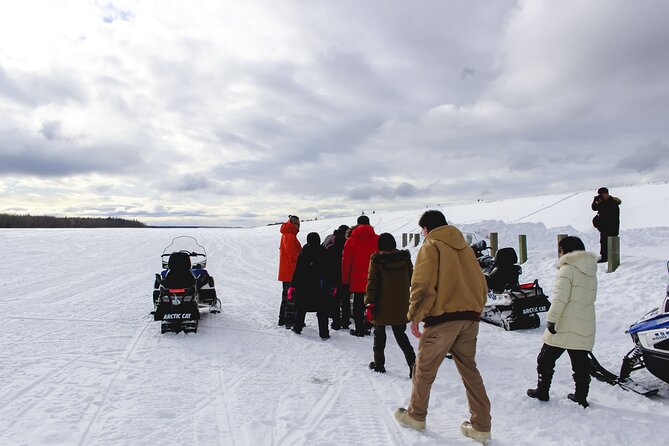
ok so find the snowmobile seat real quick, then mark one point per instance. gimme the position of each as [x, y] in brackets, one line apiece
[179, 274]
[505, 272]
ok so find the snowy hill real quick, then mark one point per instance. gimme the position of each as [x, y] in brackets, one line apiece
[82, 362]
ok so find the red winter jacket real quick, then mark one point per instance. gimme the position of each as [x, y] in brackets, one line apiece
[289, 250]
[355, 260]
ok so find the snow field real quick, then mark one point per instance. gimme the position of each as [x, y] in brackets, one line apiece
[83, 362]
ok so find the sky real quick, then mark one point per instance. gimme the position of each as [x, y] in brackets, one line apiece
[222, 112]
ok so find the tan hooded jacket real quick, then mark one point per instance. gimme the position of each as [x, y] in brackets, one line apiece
[447, 282]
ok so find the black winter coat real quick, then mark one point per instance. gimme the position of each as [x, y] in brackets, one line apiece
[308, 278]
[607, 220]
[334, 254]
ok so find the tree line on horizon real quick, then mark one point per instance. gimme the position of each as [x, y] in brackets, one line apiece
[46, 221]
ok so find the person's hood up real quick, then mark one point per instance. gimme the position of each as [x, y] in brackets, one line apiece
[363, 231]
[392, 259]
[584, 261]
[449, 235]
[289, 228]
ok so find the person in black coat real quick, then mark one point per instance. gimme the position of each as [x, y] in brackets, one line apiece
[307, 285]
[340, 305]
[607, 220]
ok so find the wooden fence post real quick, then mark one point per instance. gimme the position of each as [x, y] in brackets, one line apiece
[522, 247]
[416, 240]
[405, 242]
[494, 243]
[560, 237]
[614, 253]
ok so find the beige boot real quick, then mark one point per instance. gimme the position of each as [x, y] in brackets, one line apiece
[482, 437]
[402, 417]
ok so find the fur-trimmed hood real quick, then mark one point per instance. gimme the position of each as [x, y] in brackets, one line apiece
[584, 261]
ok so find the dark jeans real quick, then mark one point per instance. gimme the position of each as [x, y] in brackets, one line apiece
[322, 315]
[359, 311]
[402, 340]
[580, 365]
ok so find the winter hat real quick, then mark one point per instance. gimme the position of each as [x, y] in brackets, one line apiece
[602, 190]
[363, 220]
[313, 238]
[387, 242]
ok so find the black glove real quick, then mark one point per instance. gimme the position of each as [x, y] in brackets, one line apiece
[550, 326]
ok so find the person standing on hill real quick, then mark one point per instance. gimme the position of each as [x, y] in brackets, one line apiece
[306, 291]
[289, 250]
[570, 323]
[340, 305]
[607, 220]
[448, 292]
[358, 249]
[387, 300]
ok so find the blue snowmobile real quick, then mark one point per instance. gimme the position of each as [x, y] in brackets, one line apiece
[650, 335]
[184, 287]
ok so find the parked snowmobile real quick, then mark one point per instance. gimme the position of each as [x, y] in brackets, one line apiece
[511, 305]
[650, 335]
[183, 288]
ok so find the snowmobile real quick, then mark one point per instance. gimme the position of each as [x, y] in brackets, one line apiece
[650, 335]
[511, 305]
[183, 288]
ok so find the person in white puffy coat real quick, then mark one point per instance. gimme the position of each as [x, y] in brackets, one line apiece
[570, 322]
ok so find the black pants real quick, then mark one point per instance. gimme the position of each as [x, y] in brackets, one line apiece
[287, 309]
[359, 311]
[402, 340]
[604, 246]
[341, 307]
[321, 314]
[580, 365]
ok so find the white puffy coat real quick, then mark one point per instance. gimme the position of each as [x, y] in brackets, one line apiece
[573, 306]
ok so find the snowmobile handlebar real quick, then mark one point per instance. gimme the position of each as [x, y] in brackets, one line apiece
[192, 254]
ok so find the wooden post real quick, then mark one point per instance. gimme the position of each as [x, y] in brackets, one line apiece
[522, 248]
[494, 244]
[614, 253]
[560, 237]
[405, 241]
[416, 240]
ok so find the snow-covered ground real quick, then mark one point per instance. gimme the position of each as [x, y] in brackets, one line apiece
[83, 363]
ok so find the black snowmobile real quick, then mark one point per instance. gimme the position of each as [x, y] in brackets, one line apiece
[511, 305]
[650, 335]
[183, 288]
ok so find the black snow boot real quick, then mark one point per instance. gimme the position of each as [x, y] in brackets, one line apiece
[379, 369]
[580, 396]
[543, 385]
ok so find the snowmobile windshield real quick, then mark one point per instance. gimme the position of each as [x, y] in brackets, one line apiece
[189, 245]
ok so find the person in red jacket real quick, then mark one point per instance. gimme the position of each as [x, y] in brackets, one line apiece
[358, 249]
[289, 251]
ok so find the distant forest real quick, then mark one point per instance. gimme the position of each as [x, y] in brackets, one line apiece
[45, 221]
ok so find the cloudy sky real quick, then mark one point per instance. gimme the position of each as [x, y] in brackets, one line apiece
[241, 112]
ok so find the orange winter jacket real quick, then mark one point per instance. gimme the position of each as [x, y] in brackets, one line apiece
[355, 259]
[289, 251]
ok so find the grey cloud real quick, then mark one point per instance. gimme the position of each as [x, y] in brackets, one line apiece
[33, 90]
[367, 192]
[27, 154]
[646, 158]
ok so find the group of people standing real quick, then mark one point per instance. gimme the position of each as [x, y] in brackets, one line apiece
[445, 290]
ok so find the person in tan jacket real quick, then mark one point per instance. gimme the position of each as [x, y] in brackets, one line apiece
[570, 323]
[448, 292]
